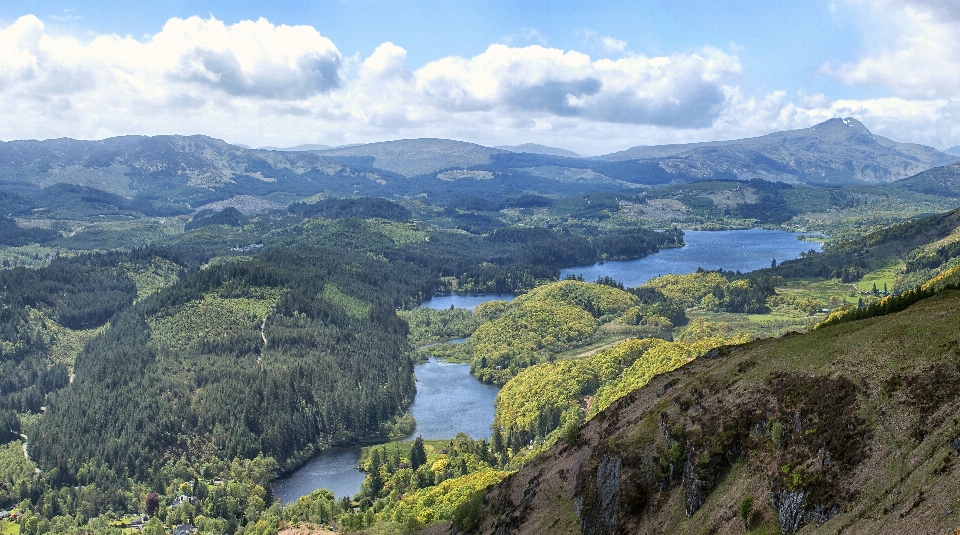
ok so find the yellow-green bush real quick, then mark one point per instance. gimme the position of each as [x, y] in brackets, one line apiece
[688, 289]
[562, 385]
[547, 320]
[433, 504]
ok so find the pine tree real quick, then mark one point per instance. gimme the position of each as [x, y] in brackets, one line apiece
[418, 455]
[396, 457]
[375, 479]
[497, 440]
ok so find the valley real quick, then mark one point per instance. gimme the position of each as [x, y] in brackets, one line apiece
[185, 321]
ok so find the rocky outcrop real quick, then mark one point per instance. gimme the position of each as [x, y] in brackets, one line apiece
[597, 502]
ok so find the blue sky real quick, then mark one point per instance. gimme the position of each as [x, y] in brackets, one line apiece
[592, 77]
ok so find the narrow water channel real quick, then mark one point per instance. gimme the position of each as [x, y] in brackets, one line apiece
[449, 401]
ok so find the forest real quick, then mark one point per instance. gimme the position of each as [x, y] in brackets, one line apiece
[234, 350]
[147, 369]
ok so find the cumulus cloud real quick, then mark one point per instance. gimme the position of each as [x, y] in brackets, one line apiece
[922, 59]
[250, 58]
[679, 90]
[263, 84]
[223, 79]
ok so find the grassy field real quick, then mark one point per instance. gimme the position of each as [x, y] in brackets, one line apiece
[884, 277]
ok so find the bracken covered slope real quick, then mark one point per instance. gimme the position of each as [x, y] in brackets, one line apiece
[848, 429]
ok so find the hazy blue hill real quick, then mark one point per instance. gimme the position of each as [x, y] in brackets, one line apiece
[953, 151]
[163, 175]
[535, 148]
[835, 151]
[413, 157]
[185, 170]
[307, 146]
[942, 181]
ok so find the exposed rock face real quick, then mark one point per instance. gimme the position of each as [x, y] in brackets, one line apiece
[791, 509]
[597, 503]
[694, 489]
[511, 515]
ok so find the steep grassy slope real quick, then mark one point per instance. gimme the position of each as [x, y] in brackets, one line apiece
[849, 429]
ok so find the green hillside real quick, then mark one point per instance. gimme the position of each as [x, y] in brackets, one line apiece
[847, 429]
[268, 356]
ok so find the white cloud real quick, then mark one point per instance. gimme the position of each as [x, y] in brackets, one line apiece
[613, 45]
[605, 43]
[526, 35]
[246, 79]
[263, 84]
[920, 54]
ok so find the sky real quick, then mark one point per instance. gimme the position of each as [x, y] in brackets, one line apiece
[593, 77]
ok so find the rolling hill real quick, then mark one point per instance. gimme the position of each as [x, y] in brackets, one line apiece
[942, 181]
[413, 157]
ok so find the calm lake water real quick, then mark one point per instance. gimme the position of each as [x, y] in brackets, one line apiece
[334, 469]
[443, 302]
[449, 401]
[731, 250]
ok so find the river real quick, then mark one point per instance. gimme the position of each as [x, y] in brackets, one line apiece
[443, 302]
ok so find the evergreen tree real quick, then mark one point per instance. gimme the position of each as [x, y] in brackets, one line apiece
[418, 455]
[396, 456]
[497, 440]
[376, 480]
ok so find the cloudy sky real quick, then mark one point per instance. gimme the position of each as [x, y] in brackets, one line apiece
[589, 76]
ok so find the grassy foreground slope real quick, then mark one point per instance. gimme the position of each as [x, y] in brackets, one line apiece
[848, 429]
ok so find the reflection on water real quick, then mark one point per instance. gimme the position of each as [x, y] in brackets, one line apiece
[444, 302]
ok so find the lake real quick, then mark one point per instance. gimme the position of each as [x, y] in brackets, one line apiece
[731, 250]
[444, 302]
[449, 401]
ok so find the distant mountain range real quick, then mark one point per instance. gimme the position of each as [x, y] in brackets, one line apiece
[413, 157]
[174, 174]
[837, 151]
[308, 146]
[534, 148]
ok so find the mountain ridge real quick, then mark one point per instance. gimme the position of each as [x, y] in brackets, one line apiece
[820, 153]
[536, 148]
[186, 172]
